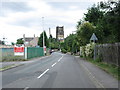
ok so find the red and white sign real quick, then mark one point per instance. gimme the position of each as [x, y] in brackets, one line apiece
[19, 50]
[44, 49]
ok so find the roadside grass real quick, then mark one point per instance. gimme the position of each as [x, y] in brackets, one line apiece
[109, 68]
[6, 67]
[13, 58]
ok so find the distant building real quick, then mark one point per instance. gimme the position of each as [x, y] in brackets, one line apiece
[60, 33]
[0, 42]
[30, 41]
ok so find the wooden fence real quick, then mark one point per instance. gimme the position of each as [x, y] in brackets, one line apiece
[109, 53]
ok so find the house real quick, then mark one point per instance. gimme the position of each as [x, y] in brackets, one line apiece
[30, 41]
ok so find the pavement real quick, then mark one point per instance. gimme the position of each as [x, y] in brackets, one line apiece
[57, 71]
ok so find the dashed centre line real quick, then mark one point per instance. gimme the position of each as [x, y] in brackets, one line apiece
[26, 88]
[54, 64]
[60, 59]
[43, 73]
[49, 69]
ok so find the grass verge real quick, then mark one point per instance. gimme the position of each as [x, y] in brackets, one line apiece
[109, 68]
[13, 58]
[7, 67]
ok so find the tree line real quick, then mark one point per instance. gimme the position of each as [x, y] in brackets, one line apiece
[102, 19]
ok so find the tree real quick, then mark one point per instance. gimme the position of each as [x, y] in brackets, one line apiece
[20, 41]
[12, 43]
[40, 41]
[2, 42]
[70, 44]
[106, 19]
[93, 15]
[84, 33]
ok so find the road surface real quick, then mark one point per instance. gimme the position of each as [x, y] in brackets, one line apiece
[55, 71]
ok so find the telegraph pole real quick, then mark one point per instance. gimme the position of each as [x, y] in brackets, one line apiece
[49, 38]
[43, 35]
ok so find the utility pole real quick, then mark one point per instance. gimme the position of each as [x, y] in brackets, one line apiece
[49, 38]
[43, 35]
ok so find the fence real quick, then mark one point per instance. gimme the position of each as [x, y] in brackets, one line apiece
[0, 54]
[109, 53]
[7, 54]
[29, 52]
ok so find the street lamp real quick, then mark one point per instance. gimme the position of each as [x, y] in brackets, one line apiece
[43, 35]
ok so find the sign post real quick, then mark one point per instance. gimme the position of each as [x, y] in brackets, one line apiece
[44, 49]
[19, 50]
[94, 38]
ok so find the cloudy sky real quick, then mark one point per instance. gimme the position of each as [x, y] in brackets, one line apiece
[18, 17]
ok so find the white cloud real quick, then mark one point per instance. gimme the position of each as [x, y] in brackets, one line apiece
[10, 24]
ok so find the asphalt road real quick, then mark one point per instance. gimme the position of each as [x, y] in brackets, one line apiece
[55, 71]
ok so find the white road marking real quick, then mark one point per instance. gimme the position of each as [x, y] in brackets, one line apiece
[54, 64]
[43, 73]
[26, 88]
[60, 58]
[48, 69]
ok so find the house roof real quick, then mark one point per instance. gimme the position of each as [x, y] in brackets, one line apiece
[28, 39]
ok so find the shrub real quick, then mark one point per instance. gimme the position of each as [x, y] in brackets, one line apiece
[64, 51]
[87, 51]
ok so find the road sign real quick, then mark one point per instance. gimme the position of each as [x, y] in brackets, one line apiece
[44, 49]
[19, 50]
[93, 37]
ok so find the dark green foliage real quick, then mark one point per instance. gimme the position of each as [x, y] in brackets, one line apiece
[105, 18]
[40, 41]
[70, 44]
[53, 43]
[12, 43]
[84, 33]
[3, 43]
[20, 41]
[63, 50]
[93, 15]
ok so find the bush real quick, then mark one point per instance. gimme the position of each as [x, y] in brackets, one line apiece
[87, 51]
[63, 51]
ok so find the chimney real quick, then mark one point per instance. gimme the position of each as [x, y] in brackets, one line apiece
[49, 32]
[34, 35]
[24, 37]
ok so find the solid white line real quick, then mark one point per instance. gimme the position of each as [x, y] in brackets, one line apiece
[43, 73]
[53, 65]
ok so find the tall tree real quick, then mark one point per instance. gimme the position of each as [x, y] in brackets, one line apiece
[93, 15]
[84, 33]
[40, 41]
[20, 41]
